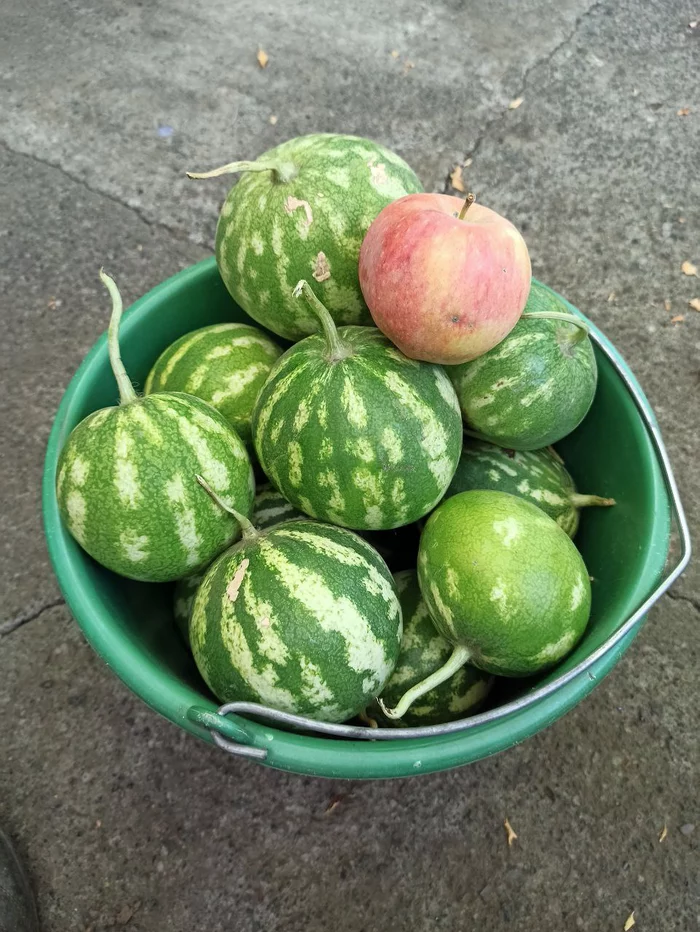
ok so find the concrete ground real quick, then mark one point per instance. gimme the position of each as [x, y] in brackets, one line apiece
[125, 821]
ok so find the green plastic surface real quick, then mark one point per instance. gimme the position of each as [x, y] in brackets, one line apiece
[130, 624]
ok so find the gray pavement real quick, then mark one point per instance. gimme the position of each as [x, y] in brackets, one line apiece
[127, 822]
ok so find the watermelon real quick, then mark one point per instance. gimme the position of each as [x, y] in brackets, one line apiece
[353, 432]
[303, 617]
[539, 476]
[537, 385]
[423, 651]
[301, 210]
[183, 597]
[270, 508]
[504, 584]
[126, 484]
[224, 365]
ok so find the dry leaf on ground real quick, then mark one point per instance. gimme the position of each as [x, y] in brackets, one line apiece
[687, 268]
[681, 219]
[611, 297]
[407, 66]
[394, 54]
[511, 835]
[514, 104]
[630, 922]
[667, 305]
[664, 833]
[333, 802]
[273, 118]
[684, 111]
[678, 319]
[263, 58]
[695, 304]
[456, 179]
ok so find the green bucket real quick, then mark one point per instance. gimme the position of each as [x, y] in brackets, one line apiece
[616, 452]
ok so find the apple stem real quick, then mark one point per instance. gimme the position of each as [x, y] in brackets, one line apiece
[468, 201]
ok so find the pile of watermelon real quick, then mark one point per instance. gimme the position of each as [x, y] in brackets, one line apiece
[358, 499]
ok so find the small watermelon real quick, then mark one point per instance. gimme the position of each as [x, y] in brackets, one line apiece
[271, 508]
[302, 617]
[353, 432]
[504, 584]
[301, 211]
[126, 484]
[539, 476]
[537, 385]
[224, 365]
[423, 651]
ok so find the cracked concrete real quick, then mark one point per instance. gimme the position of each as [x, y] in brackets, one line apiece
[121, 817]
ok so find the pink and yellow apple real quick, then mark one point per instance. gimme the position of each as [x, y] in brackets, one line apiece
[444, 289]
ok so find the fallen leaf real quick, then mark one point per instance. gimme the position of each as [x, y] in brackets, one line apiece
[334, 802]
[514, 104]
[263, 58]
[630, 922]
[467, 163]
[684, 111]
[695, 304]
[687, 268]
[667, 305]
[611, 297]
[394, 53]
[681, 219]
[98, 823]
[54, 303]
[511, 836]
[664, 833]
[273, 118]
[679, 318]
[407, 65]
[456, 179]
[693, 25]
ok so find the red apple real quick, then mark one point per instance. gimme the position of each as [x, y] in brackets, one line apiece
[444, 288]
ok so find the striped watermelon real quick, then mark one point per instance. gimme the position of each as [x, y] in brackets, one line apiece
[539, 476]
[303, 617]
[126, 484]
[423, 651]
[301, 211]
[503, 583]
[224, 365]
[269, 508]
[353, 432]
[537, 385]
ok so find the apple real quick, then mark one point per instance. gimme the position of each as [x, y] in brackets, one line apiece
[444, 279]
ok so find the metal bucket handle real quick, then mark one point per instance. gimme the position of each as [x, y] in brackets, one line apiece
[231, 734]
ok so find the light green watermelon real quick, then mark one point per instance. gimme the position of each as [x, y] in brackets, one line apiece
[504, 584]
[126, 484]
[539, 476]
[423, 651]
[302, 617]
[537, 385]
[224, 365]
[353, 432]
[301, 210]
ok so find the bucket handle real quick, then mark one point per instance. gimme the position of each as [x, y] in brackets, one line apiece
[228, 728]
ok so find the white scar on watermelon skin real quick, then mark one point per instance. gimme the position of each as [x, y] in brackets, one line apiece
[321, 269]
[294, 203]
[339, 615]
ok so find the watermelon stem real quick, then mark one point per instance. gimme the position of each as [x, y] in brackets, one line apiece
[459, 656]
[337, 350]
[576, 337]
[583, 501]
[247, 529]
[126, 389]
[285, 171]
[468, 201]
